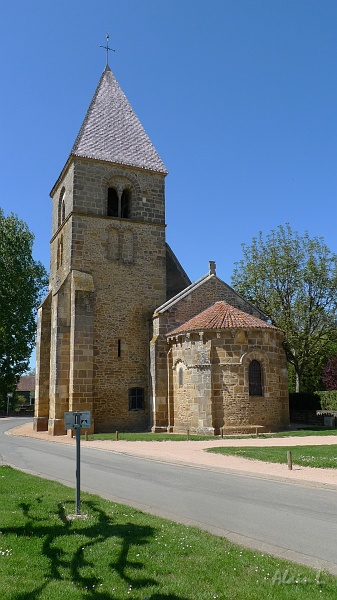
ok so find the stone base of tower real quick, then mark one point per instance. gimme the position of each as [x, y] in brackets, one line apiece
[40, 424]
[56, 427]
[159, 416]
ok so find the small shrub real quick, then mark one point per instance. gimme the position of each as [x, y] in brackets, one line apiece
[20, 400]
[329, 375]
[328, 400]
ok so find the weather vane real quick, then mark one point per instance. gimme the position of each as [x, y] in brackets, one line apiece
[107, 49]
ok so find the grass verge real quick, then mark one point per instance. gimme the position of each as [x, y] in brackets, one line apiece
[119, 552]
[304, 432]
[322, 457]
[149, 437]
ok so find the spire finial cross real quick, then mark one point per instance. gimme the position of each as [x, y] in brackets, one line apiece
[107, 49]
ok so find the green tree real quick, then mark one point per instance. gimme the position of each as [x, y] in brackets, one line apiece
[293, 280]
[23, 282]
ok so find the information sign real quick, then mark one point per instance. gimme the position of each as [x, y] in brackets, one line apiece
[84, 418]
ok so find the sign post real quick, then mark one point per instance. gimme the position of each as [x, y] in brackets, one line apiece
[9, 396]
[77, 426]
[78, 420]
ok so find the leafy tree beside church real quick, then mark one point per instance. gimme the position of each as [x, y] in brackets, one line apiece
[23, 282]
[293, 280]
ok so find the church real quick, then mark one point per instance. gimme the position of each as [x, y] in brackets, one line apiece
[123, 332]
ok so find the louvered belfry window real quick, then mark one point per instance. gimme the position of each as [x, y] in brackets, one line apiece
[255, 378]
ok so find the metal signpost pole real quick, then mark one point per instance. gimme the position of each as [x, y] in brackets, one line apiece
[78, 420]
[9, 396]
[77, 428]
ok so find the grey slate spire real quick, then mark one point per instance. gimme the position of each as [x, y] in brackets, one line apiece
[111, 131]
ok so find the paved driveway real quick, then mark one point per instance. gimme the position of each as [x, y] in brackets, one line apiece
[262, 510]
[193, 453]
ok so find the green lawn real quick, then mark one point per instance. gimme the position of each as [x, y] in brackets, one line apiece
[305, 431]
[162, 437]
[148, 437]
[119, 553]
[323, 457]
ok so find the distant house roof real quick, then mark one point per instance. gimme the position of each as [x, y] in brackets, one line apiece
[26, 383]
[111, 131]
[221, 316]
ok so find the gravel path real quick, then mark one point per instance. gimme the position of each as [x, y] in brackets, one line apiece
[193, 453]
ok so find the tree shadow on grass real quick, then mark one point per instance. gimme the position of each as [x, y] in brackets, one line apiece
[32, 595]
[76, 561]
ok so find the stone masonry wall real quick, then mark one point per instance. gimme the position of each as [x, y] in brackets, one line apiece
[63, 191]
[128, 285]
[201, 297]
[231, 379]
[81, 342]
[192, 386]
[60, 255]
[41, 408]
[211, 289]
[203, 403]
[86, 182]
[126, 259]
[59, 359]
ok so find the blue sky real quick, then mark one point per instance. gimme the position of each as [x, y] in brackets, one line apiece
[238, 96]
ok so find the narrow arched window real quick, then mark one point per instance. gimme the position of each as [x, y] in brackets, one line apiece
[58, 255]
[60, 208]
[63, 211]
[125, 204]
[59, 259]
[255, 378]
[181, 377]
[112, 210]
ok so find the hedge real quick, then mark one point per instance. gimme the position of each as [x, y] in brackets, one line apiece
[328, 400]
[313, 401]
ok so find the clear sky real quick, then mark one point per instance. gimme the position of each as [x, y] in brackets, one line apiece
[238, 97]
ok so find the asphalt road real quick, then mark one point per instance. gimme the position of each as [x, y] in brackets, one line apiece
[291, 521]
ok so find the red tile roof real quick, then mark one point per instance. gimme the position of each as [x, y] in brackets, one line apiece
[221, 316]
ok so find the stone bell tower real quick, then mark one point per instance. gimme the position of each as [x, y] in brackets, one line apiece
[107, 272]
